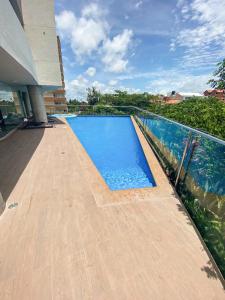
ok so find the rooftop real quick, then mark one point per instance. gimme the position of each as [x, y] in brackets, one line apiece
[65, 235]
[215, 90]
[190, 94]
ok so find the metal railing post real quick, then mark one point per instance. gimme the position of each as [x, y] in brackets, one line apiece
[146, 123]
[183, 158]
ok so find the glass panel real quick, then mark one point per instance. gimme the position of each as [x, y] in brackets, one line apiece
[203, 193]
[168, 139]
[100, 110]
[202, 181]
[11, 114]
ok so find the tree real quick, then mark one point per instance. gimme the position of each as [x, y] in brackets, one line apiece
[219, 82]
[74, 102]
[92, 96]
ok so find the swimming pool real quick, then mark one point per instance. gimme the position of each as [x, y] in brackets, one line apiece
[63, 115]
[114, 147]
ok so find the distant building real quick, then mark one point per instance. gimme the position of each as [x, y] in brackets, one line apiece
[220, 94]
[176, 97]
[55, 101]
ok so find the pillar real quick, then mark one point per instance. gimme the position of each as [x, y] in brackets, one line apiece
[27, 104]
[37, 103]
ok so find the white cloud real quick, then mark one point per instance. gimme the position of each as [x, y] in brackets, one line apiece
[6, 95]
[172, 45]
[115, 51]
[130, 90]
[91, 71]
[86, 33]
[180, 3]
[89, 35]
[170, 80]
[65, 22]
[98, 85]
[138, 4]
[204, 34]
[76, 88]
[113, 82]
[93, 10]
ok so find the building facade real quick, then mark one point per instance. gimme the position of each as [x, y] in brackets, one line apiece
[220, 94]
[177, 97]
[55, 101]
[29, 59]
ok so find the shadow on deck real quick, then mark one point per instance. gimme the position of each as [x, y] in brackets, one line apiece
[15, 153]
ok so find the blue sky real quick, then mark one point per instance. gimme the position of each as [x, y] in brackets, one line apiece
[140, 45]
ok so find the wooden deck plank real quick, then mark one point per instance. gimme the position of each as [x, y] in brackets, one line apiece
[70, 237]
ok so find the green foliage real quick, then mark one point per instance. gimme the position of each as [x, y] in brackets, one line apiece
[121, 98]
[92, 96]
[74, 102]
[7, 102]
[104, 110]
[74, 106]
[219, 83]
[7, 107]
[210, 226]
[207, 114]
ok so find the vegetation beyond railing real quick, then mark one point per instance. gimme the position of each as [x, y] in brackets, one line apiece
[202, 182]
[207, 114]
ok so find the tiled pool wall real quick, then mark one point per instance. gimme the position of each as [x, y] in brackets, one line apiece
[114, 147]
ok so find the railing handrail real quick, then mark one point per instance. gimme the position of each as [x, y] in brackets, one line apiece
[214, 138]
[207, 135]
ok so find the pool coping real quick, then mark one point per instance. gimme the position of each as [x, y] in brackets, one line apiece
[102, 193]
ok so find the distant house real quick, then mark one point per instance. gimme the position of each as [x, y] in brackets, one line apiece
[176, 97]
[220, 94]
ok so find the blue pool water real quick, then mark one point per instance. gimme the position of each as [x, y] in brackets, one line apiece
[114, 147]
[63, 115]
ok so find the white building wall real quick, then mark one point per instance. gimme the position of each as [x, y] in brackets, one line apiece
[13, 41]
[16, 4]
[39, 26]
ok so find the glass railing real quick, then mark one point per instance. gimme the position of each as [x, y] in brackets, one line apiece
[195, 164]
[98, 110]
[11, 118]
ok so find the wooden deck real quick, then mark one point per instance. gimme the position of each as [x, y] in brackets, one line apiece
[68, 237]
